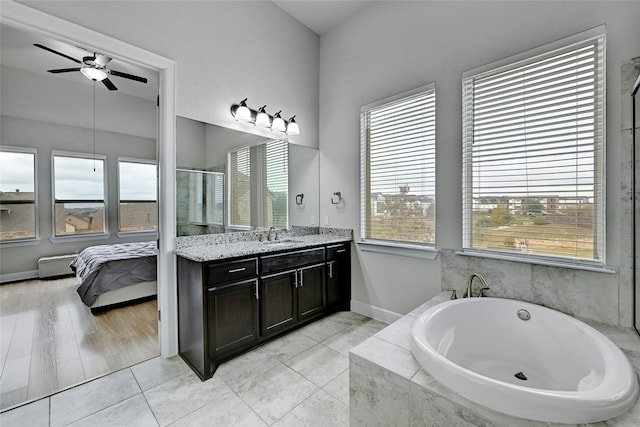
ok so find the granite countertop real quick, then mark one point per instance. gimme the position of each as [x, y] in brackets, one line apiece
[212, 252]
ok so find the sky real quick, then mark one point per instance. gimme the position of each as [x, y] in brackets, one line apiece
[16, 172]
[75, 177]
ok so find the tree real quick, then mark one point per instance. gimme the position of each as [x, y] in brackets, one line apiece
[501, 215]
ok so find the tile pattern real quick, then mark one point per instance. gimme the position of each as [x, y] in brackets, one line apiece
[299, 379]
[388, 387]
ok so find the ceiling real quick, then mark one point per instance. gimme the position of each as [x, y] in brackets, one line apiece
[17, 51]
[322, 15]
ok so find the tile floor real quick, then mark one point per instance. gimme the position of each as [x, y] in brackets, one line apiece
[300, 379]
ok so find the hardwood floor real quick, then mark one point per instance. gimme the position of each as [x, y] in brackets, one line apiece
[49, 340]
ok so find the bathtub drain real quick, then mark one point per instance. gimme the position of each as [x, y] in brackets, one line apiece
[521, 376]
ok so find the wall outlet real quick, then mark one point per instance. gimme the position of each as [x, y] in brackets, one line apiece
[313, 220]
[326, 220]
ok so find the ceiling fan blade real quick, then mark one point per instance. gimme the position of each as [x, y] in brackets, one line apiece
[128, 76]
[48, 49]
[109, 84]
[63, 70]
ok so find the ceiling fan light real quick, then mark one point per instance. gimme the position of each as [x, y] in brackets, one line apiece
[262, 118]
[293, 128]
[94, 74]
[278, 123]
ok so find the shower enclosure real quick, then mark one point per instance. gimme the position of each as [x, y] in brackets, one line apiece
[200, 202]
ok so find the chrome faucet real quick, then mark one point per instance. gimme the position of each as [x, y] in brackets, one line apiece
[269, 235]
[483, 282]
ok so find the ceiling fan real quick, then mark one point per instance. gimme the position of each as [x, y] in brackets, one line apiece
[94, 68]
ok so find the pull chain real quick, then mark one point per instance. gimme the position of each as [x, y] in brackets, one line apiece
[94, 126]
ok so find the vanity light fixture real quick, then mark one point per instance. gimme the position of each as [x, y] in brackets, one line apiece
[292, 127]
[278, 123]
[262, 118]
[242, 113]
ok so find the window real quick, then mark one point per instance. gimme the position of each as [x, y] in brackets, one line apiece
[533, 147]
[79, 186]
[137, 187]
[240, 188]
[275, 203]
[258, 187]
[17, 194]
[398, 144]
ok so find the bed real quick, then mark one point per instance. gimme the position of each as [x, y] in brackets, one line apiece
[114, 275]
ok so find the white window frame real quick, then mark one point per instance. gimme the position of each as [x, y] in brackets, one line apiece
[145, 162]
[79, 237]
[229, 184]
[557, 261]
[36, 238]
[402, 248]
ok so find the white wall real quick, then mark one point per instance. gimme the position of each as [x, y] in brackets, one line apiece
[396, 46]
[190, 137]
[43, 97]
[225, 51]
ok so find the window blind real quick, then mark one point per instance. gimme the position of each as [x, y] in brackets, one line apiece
[240, 187]
[398, 168]
[275, 201]
[534, 155]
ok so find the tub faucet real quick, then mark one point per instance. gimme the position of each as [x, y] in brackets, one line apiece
[483, 282]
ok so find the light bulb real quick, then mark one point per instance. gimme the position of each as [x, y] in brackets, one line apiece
[278, 123]
[262, 119]
[293, 128]
[243, 114]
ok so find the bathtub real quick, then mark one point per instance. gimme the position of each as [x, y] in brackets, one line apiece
[524, 360]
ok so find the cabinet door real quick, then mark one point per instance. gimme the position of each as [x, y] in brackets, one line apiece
[233, 317]
[339, 282]
[278, 302]
[311, 292]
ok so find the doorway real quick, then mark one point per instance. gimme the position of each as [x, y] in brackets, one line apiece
[28, 19]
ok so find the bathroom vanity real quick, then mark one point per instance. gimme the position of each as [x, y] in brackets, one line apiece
[235, 296]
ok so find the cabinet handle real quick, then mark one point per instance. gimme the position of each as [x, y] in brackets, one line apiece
[295, 278]
[257, 295]
[341, 251]
[237, 270]
[331, 270]
[301, 280]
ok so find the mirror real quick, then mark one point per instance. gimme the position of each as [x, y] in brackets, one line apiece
[228, 180]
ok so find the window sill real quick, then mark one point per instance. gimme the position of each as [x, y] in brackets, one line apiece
[69, 239]
[125, 234]
[538, 261]
[17, 243]
[399, 249]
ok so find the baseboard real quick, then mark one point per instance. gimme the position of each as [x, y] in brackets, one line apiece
[374, 312]
[15, 277]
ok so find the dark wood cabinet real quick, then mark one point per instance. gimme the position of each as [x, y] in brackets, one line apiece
[338, 277]
[312, 300]
[233, 317]
[227, 307]
[278, 302]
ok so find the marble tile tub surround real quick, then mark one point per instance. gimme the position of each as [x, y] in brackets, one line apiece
[210, 247]
[576, 292]
[300, 379]
[387, 386]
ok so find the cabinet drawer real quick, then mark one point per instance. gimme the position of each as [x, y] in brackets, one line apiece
[337, 251]
[290, 260]
[224, 272]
